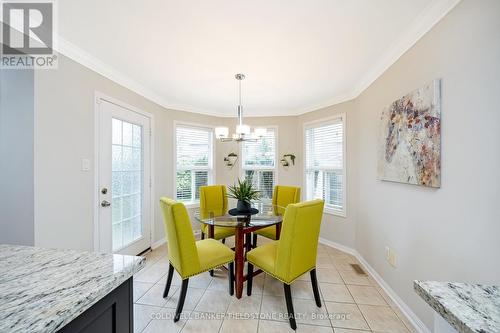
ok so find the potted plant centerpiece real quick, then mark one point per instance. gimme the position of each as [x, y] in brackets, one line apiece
[245, 193]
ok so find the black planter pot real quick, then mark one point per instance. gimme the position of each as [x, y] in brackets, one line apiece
[243, 206]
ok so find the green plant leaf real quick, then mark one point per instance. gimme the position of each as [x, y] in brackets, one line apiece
[243, 191]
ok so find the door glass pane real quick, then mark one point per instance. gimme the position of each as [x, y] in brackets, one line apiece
[127, 159]
[127, 185]
[117, 132]
[127, 133]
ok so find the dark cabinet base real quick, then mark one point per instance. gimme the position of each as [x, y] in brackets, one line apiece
[112, 314]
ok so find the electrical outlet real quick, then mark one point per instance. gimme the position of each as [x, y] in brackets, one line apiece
[390, 256]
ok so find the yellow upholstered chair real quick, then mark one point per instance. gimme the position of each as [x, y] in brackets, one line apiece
[282, 197]
[187, 256]
[294, 253]
[213, 198]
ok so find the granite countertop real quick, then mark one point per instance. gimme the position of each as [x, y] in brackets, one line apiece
[467, 307]
[41, 290]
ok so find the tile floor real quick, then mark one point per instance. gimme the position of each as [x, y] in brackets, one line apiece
[352, 303]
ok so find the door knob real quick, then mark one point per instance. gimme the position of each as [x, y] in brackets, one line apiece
[105, 203]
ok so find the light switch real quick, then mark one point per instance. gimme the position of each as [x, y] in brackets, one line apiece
[85, 164]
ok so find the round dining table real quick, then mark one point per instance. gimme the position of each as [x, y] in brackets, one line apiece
[268, 215]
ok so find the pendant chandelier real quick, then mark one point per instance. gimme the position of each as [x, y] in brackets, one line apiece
[243, 132]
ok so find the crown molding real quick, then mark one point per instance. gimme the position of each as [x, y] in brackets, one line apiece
[330, 102]
[84, 58]
[431, 15]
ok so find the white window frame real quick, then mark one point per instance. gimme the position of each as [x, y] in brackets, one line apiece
[260, 168]
[211, 170]
[318, 123]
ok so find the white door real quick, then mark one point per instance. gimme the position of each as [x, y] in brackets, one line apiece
[124, 222]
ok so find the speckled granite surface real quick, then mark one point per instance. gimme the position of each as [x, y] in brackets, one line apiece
[467, 307]
[41, 290]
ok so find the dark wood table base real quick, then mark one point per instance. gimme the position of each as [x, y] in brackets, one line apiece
[242, 245]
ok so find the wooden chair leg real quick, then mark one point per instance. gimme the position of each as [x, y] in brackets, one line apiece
[314, 282]
[249, 278]
[231, 278]
[254, 241]
[289, 306]
[169, 280]
[182, 298]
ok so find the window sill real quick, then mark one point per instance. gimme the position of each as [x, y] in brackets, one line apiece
[335, 212]
[191, 205]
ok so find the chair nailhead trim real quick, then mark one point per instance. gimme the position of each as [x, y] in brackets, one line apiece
[277, 278]
[203, 271]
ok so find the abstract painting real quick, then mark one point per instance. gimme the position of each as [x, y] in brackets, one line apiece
[410, 138]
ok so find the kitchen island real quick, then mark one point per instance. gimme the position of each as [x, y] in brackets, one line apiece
[49, 290]
[462, 307]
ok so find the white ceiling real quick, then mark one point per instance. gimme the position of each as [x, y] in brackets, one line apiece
[297, 55]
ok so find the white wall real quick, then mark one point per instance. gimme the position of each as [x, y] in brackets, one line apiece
[336, 228]
[64, 134]
[64, 130]
[16, 157]
[451, 233]
[440, 234]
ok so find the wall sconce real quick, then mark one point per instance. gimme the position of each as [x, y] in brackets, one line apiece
[230, 160]
[285, 160]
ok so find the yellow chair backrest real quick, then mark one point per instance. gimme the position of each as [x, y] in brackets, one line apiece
[298, 243]
[213, 199]
[285, 195]
[182, 251]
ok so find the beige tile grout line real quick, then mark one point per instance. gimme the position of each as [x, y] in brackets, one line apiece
[262, 299]
[390, 307]
[326, 308]
[357, 305]
[189, 311]
[152, 285]
[225, 313]
[359, 309]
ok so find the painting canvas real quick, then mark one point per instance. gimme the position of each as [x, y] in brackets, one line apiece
[410, 138]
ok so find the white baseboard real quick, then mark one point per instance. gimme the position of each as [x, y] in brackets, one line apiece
[158, 243]
[162, 241]
[339, 246]
[405, 309]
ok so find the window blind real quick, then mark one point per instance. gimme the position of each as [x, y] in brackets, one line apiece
[259, 162]
[325, 163]
[193, 161]
[261, 153]
[263, 180]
